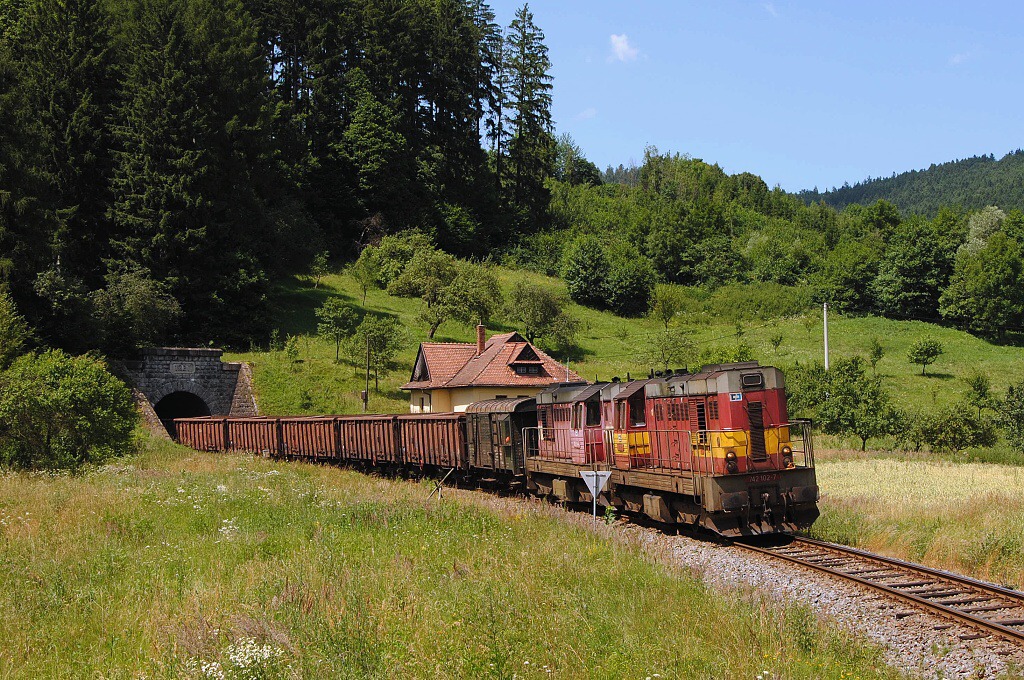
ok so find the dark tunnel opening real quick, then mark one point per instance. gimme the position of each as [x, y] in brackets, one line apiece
[180, 405]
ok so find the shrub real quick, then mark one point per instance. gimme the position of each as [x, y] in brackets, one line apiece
[13, 331]
[59, 411]
[394, 252]
[956, 428]
[629, 285]
[763, 301]
[133, 310]
[1011, 416]
[585, 270]
[725, 354]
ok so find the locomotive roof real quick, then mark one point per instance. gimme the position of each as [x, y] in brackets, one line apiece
[628, 390]
[562, 393]
[718, 379]
[503, 405]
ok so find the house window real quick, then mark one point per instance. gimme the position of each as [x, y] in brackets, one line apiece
[531, 369]
[501, 396]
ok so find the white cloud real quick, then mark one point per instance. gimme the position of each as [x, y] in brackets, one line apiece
[621, 49]
[958, 58]
[770, 8]
[587, 114]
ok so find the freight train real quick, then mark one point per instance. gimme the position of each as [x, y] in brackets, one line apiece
[713, 449]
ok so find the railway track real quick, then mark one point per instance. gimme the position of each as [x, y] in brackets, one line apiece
[987, 608]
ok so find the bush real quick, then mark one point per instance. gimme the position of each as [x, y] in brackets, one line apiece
[954, 429]
[629, 284]
[394, 252]
[763, 301]
[1011, 416]
[924, 352]
[14, 332]
[585, 270]
[59, 411]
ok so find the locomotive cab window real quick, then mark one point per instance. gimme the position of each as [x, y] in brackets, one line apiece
[751, 380]
[637, 416]
[593, 413]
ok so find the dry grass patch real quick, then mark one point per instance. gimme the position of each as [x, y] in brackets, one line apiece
[966, 517]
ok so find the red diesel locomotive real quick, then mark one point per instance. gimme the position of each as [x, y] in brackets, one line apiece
[714, 449]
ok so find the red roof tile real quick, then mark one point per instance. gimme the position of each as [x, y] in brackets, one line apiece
[458, 365]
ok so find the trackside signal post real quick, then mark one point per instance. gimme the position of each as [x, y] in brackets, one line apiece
[595, 479]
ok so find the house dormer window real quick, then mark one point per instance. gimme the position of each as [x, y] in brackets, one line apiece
[527, 369]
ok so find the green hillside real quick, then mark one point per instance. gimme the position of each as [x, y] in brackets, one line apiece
[610, 346]
[971, 183]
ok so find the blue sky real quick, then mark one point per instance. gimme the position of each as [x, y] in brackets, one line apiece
[802, 93]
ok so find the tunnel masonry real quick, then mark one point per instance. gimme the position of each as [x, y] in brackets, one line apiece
[186, 381]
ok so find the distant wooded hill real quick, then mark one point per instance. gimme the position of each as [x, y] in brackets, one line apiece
[971, 183]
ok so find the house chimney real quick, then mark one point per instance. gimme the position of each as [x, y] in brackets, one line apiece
[481, 339]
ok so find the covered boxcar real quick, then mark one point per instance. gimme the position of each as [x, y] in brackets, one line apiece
[494, 434]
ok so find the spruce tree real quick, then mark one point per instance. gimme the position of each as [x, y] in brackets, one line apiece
[195, 164]
[531, 153]
[69, 86]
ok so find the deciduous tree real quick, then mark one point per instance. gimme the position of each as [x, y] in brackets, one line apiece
[337, 322]
[925, 352]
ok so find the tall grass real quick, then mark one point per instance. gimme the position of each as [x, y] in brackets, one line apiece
[180, 564]
[965, 517]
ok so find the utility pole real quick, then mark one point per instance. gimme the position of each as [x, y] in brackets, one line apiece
[824, 316]
[366, 392]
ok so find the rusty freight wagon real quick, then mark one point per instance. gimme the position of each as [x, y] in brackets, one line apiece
[367, 438]
[253, 435]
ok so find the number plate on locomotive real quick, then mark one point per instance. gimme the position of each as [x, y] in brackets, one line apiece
[767, 477]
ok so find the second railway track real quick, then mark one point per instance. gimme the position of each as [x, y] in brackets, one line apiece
[990, 609]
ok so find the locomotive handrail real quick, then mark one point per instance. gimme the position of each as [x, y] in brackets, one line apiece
[665, 449]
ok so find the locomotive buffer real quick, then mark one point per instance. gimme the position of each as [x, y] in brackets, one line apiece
[595, 479]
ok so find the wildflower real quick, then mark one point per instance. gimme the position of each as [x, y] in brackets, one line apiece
[221, 488]
[228, 529]
[212, 669]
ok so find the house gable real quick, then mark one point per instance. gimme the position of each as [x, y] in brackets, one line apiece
[507, 360]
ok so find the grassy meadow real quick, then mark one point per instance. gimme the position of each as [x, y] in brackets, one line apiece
[183, 564]
[608, 347]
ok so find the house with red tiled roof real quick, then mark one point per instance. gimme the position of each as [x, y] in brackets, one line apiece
[449, 376]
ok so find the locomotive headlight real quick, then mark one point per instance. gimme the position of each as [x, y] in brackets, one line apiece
[731, 465]
[787, 457]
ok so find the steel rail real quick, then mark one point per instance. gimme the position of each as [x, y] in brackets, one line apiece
[1010, 599]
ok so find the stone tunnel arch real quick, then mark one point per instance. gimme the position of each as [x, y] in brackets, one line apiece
[180, 404]
[181, 382]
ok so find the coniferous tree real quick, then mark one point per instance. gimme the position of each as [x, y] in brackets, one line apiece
[190, 183]
[532, 145]
[69, 88]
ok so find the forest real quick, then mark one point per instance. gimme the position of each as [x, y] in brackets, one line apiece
[970, 183]
[163, 161]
